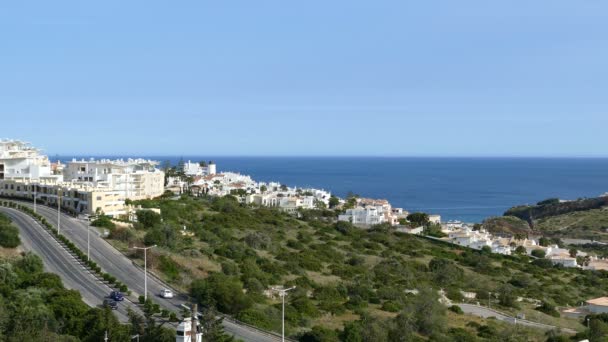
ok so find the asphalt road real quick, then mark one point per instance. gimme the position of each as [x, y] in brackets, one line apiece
[117, 264]
[482, 311]
[58, 260]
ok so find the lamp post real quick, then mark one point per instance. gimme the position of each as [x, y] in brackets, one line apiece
[88, 242]
[145, 269]
[282, 294]
[35, 195]
[489, 298]
[58, 210]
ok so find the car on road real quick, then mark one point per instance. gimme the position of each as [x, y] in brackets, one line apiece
[110, 303]
[166, 293]
[117, 296]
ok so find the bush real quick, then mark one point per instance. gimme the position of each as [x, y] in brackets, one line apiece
[539, 253]
[9, 235]
[548, 309]
[456, 309]
[390, 306]
[103, 221]
[141, 299]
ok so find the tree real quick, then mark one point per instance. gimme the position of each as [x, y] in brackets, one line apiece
[418, 219]
[148, 218]
[263, 188]
[212, 326]
[222, 291]
[445, 272]
[520, 250]
[333, 201]
[9, 236]
[538, 253]
[506, 295]
[543, 241]
[573, 252]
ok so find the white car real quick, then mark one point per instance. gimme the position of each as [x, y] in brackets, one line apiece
[166, 293]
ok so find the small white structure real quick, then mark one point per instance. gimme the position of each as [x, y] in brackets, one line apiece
[435, 219]
[598, 305]
[564, 261]
[195, 169]
[183, 333]
[363, 216]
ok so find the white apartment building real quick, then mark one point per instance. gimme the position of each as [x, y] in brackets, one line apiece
[19, 160]
[136, 178]
[195, 169]
[363, 216]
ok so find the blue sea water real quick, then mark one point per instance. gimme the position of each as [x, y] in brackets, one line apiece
[467, 189]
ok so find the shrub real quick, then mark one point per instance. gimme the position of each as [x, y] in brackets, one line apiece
[9, 235]
[456, 309]
[141, 299]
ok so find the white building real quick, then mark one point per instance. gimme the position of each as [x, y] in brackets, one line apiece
[19, 160]
[137, 178]
[435, 219]
[183, 333]
[564, 261]
[195, 169]
[363, 216]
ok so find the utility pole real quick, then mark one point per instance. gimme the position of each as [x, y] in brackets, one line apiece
[282, 294]
[58, 210]
[88, 242]
[35, 195]
[193, 330]
[106, 337]
[145, 269]
[489, 298]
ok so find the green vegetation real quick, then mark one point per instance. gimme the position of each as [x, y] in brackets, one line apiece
[34, 306]
[9, 234]
[549, 208]
[103, 221]
[589, 224]
[506, 224]
[350, 281]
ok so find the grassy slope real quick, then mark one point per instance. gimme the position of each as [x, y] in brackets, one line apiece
[373, 267]
[590, 224]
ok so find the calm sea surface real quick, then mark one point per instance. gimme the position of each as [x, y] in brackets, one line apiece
[468, 189]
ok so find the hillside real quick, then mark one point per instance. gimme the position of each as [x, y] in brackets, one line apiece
[506, 225]
[579, 219]
[349, 280]
[554, 207]
[590, 224]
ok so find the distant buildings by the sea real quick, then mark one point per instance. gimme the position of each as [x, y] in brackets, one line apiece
[80, 186]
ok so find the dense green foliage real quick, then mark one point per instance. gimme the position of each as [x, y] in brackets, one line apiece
[34, 306]
[553, 208]
[103, 221]
[9, 234]
[506, 224]
[341, 271]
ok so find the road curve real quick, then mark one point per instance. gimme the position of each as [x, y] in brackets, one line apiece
[58, 260]
[114, 262]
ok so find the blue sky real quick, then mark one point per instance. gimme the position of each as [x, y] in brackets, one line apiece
[412, 78]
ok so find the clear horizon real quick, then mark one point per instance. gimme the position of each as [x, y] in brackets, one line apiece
[347, 78]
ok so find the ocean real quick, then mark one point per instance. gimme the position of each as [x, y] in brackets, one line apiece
[466, 189]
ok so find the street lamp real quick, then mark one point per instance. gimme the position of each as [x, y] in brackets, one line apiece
[282, 294]
[35, 195]
[489, 298]
[145, 269]
[58, 210]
